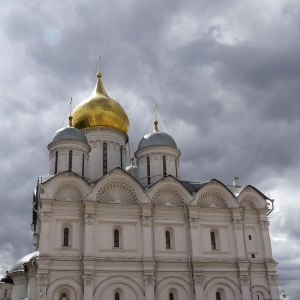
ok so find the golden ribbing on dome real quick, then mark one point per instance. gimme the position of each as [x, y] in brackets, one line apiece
[100, 111]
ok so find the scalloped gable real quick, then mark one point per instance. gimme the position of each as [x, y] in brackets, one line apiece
[215, 194]
[169, 191]
[65, 186]
[252, 198]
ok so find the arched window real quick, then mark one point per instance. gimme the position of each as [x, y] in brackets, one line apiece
[164, 166]
[5, 294]
[171, 296]
[213, 240]
[104, 158]
[117, 296]
[70, 160]
[148, 170]
[66, 239]
[116, 238]
[56, 162]
[218, 296]
[82, 168]
[168, 240]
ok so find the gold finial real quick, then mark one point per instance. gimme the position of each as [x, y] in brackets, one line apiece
[155, 118]
[70, 117]
[99, 75]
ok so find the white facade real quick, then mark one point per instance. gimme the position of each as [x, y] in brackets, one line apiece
[115, 237]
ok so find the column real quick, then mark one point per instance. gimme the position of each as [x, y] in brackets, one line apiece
[194, 234]
[149, 281]
[88, 281]
[273, 282]
[45, 218]
[264, 226]
[147, 231]
[89, 221]
[245, 285]
[42, 284]
[31, 294]
[199, 287]
[239, 237]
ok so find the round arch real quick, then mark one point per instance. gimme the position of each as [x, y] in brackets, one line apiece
[119, 280]
[222, 281]
[53, 290]
[172, 282]
[261, 289]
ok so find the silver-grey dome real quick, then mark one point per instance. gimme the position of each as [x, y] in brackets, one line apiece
[157, 138]
[19, 265]
[69, 133]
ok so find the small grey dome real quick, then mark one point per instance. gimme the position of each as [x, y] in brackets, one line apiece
[157, 138]
[69, 133]
[19, 265]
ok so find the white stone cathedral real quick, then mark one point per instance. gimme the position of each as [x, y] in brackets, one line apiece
[106, 232]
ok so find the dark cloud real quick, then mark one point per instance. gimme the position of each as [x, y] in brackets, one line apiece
[225, 75]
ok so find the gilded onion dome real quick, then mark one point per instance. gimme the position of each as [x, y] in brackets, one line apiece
[100, 111]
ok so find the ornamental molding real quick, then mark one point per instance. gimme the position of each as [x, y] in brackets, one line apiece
[194, 223]
[238, 224]
[116, 172]
[245, 280]
[147, 221]
[212, 199]
[45, 216]
[248, 202]
[67, 192]
[117, 192]
[199, 279]
[42, 279]
[168, 197]
[69, 175]
[89, 219]
[264, 225]
[149, 280]
[88, 279]
[273, 279]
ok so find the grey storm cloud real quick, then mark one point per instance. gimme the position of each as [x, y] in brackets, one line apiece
[225, 75]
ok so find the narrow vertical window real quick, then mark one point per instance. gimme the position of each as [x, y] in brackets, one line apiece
[171, 296]
[104, 158]
[148, 170]
[117, 296]
[257, 297]
[218, 296]
[176, 167]
[56, 162]
[82, 168]
[121, 156]
[116, 238]
[70, 160]
[66, 237]
[250, 237]
[5, 294]
[164, 166]
[168, 240]
[213, 241]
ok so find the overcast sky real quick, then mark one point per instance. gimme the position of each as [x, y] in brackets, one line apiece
[225, 75]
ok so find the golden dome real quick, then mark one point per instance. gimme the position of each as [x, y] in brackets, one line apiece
[100, 111]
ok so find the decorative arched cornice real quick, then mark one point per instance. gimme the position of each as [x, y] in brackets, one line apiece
[119, 279]
[215, 194]
[117, 192]
[261, 289]
[172, 280]
[65, 186]
[68, 192]
[63, 282]
[252, 198]
[169, 189]
[222, 281]
[120, 177]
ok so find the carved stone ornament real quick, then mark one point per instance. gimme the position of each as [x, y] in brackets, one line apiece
[238, 224]
[42, 291]
[88, 279]
[273, 279]
[68, 175]
[42, 279]
[245, 280]
[199, 279]
[194, 223]
[45, 217]
[147, 221]
[248, 189]
[264, 225]
[149, 280]
[89, 219]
